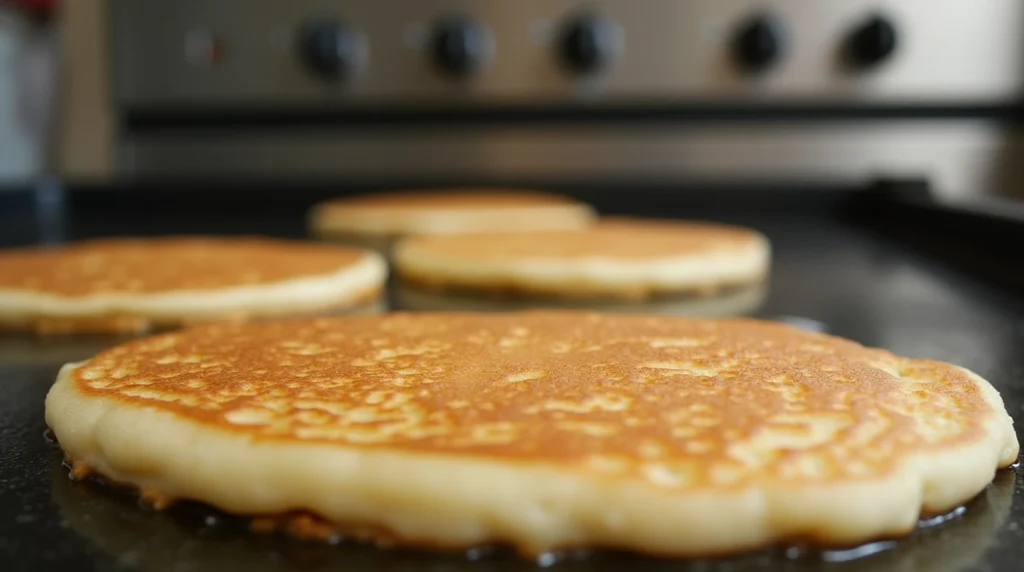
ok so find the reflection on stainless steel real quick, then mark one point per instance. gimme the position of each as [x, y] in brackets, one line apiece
[197, 58]
[957, 156]
[195, 538]
[739, 302]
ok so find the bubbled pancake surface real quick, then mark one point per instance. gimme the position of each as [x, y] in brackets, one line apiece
[676, 403]
[158, 265]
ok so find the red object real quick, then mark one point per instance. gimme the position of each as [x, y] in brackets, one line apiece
[46, 6]
[41, 12]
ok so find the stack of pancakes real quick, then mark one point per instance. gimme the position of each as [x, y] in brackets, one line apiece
[542, 429]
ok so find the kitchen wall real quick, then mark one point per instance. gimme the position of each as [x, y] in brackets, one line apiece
[83, 149]
[22, 54]
[54, 103]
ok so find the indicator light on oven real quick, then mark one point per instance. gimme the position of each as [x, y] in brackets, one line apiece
[203, 48]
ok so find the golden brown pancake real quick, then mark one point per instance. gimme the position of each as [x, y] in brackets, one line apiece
[135, 284]
[377, 219]
[616, 260]
[543, 430]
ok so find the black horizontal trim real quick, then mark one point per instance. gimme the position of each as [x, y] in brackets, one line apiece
[166, 197]
[245, 117]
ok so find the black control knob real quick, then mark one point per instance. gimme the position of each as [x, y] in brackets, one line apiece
[871, 43]
[759, 44]
[587, 44]
[459, 46]
[330, 49]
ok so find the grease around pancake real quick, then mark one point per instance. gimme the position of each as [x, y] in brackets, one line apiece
[673, 402]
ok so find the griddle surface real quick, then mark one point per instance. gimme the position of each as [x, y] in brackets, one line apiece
[826, 273]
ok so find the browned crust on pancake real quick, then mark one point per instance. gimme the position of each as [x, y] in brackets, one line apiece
[298, 523]
[555, 387]
[581, 291]
[306, 525]
[136, 324]
[309, 526]
[138, 266]
[80, 471]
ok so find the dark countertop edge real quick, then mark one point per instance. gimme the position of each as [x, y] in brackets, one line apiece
[618, 195]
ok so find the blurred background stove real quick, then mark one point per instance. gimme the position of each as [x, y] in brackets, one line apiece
[685, 93]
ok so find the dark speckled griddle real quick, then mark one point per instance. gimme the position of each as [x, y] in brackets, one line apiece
[827, 275]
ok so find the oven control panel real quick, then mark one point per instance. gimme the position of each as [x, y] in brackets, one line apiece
[331, 53]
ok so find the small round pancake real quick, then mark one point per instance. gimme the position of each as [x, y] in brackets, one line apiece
[543, 430]
[618, 260]
[132, 285]
[377, 219]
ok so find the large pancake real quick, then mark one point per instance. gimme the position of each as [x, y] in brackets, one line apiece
[376, 219]
[543, 430]
[621, 259]
[112, 285]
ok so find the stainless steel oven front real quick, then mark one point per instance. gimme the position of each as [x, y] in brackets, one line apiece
[569, 91]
